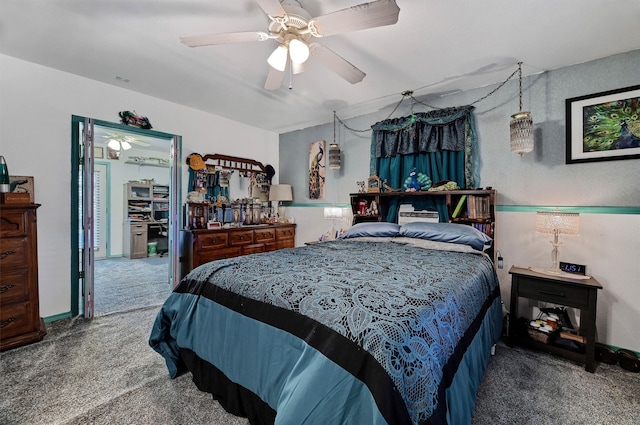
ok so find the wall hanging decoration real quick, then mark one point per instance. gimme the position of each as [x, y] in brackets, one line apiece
[603, 126]
[521, 125]
[317, 170]
[132, 118]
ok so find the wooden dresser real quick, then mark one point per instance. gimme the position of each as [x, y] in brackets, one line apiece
[20, 321]
[201, 246]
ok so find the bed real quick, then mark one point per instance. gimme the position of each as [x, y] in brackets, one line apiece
[388, 325]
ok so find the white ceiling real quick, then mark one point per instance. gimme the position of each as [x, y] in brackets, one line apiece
[437, 47]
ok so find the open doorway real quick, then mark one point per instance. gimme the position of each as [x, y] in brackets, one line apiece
[113, 159]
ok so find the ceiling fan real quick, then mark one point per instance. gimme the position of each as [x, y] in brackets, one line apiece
[294, 28]
[118, 141]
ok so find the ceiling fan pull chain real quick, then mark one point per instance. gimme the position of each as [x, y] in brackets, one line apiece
[290, 75]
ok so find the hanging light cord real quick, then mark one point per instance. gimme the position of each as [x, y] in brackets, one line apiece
[409, 94]
[520, 83]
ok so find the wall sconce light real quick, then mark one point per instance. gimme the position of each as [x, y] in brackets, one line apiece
[521, 125]
[556, 223]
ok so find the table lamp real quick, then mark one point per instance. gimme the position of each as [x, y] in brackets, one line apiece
[556, 223]
[280, 193]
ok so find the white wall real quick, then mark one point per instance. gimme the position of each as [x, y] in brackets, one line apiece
[609, 244]
[35, 138]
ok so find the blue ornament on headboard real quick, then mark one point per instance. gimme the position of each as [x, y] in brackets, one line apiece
[417, 181]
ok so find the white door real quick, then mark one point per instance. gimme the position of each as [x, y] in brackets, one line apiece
[100, 208]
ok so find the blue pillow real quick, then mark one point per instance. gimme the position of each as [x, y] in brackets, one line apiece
[447, 232]
[374, 229]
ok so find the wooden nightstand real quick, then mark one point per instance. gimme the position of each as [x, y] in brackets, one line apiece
[561, 290]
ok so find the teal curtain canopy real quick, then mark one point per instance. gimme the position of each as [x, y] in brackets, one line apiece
[441, 144]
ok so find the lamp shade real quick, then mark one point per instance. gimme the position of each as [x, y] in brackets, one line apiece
[298, 50]
[334, 156]
[558, 223]
[278, 59]
[280, 192]
[521, 128]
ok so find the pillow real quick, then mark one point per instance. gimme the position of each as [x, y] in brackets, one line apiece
[375, 229]
[447, 232]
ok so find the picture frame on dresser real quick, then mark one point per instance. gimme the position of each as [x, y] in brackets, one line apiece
[23, 184]
[603, 126]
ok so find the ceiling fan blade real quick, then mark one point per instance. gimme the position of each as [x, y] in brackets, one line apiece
[337, 63]
[274, 79]
[366, 15]
[224, 38]
[138, 142]
[272, 8]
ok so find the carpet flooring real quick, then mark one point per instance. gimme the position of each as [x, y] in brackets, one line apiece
[102, 371]
[122, 284]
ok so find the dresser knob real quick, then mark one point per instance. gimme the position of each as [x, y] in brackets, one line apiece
[5, 254]
[5, 288]
[6, 322]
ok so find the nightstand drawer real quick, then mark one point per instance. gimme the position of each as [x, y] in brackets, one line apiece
[562, 294]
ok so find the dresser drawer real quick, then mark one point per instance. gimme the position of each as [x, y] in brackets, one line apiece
[16, 319]
[14, 286]
[212, 241]
[285, 233]
[218, 254]
[264, 235]
[13, 253]
[575, 296]
[243, 237]
[252, 249]
[13, 223]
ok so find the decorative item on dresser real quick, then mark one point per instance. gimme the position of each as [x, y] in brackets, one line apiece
[20, 321]
[199, 246]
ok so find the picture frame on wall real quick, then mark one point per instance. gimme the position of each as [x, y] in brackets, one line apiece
[603, 126]
[317, 169]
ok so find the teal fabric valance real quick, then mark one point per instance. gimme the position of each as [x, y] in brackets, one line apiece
[441, 131]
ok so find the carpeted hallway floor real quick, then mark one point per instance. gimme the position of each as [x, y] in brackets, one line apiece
[122, 284]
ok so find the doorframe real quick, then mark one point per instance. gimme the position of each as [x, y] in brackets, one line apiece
[175, 194]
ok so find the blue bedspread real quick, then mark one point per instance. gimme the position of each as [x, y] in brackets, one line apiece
[413, 310]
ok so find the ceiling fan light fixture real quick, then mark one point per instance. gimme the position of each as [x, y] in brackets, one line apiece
[114, 144]
[278, 59]
[125, 145]
[298, 50]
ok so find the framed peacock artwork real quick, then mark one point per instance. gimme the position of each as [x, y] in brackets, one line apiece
[317, 169]
[604, 126]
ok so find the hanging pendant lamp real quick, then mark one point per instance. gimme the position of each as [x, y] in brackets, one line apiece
[521, 125]
[334, 149]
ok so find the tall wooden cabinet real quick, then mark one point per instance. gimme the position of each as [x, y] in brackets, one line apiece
[20, 321]
[199, 246]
